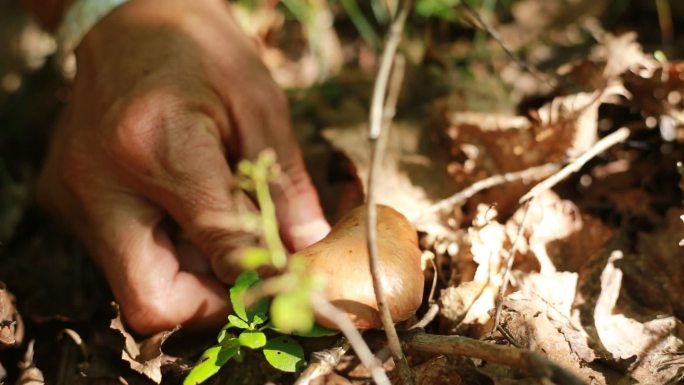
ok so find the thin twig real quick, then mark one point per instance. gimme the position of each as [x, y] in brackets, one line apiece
[433, 310]
[509, 266]
[598, 147]
[532, 362]
[536, 172]
[433, 288]
[429, 315]
[383, 107]
[380, 87]
[479, 22]
[346, 326]
[323, 362]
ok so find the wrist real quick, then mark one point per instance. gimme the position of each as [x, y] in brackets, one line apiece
[78, 19]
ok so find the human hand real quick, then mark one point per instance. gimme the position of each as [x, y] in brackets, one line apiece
[166, 97]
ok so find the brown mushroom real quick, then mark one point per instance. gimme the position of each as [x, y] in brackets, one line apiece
[341, 258]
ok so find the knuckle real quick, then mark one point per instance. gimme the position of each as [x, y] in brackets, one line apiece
[155, 135]
[131, 131]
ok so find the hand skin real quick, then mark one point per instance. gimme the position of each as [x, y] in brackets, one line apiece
[166, 97]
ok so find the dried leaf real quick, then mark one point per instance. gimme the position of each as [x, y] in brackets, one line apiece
[559, 236]
[11, 324]
[484, 146]
[478, 265]
[650, 342]
[436, 371]
[534, 324]
[413, 175]
[144, 357]
[658, 257]
[30, 374]
[621, 54]
[466, 303]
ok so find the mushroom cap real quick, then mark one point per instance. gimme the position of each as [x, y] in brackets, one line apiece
[341, 258]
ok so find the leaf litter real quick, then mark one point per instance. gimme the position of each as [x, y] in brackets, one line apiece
[596, 281]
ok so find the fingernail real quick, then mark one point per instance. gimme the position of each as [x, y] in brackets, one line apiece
[308, 233]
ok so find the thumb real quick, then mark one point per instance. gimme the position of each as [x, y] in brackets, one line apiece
[298, 209]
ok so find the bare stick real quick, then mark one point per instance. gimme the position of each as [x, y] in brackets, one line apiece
[509, 266]
[383, 107]
[323, 362]
[532, 362]
[536, 172]
[327, 310]
[430, 315]
[598, 147]
[378, 109]
[480, 23]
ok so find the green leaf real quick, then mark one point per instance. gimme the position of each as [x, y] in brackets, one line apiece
[211, 361]
[255, 315]
[236, 322]
[237, 292]
[224, 333]
[258, 313]
[291, 311]
[284, 353]
[255, 257]
[252, 339]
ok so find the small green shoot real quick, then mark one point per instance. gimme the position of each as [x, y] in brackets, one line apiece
[250, 326]
[282, 352]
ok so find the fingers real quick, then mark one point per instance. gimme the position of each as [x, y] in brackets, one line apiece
[122, 233]
[299, 212]
[144, 273]
[263, 108]
[182, 168]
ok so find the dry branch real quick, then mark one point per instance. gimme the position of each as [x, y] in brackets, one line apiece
[345, 325]
[323, 362]
[598, 147]
[531, 362]
[383, 103]
[536, 172]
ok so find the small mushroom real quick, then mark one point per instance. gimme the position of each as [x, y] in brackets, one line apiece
[341, 258]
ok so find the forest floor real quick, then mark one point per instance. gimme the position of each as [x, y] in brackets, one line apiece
[597, 279]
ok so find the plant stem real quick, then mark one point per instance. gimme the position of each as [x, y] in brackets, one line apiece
[262, 171]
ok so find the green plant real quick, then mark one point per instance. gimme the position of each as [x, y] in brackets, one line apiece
[247, 328]
[250, 327]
